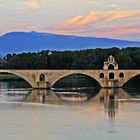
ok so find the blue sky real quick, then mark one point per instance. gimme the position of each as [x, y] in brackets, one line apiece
[101, 18]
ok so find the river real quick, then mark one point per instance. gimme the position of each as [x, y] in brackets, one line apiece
[85, 114]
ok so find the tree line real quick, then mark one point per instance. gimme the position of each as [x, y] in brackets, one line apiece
[127, 58]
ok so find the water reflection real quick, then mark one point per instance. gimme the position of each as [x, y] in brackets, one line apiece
[77, 114]
[55, 97]
[108, 98]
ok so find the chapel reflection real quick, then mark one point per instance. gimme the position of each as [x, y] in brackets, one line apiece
[110, 99]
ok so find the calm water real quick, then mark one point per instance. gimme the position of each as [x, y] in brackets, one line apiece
[88, 114]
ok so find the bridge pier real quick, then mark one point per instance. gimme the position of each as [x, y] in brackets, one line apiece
[42, 85]
[112, 83]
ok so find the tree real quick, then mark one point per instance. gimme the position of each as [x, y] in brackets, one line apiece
[127, 58]
[124, 60]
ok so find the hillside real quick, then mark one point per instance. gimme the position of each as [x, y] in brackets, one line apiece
[17, 42]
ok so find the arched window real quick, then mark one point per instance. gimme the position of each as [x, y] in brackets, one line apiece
[101, 75]
[42, 77]
[111, 76]
[111, 67]
[121, 75]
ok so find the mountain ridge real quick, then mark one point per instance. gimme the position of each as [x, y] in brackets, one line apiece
[18, 42]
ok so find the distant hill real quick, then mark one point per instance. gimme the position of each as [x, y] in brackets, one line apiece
[17, 42]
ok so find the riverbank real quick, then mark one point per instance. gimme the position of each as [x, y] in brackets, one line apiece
[9, 77]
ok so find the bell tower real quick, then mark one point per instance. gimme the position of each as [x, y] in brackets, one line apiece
[110, 64]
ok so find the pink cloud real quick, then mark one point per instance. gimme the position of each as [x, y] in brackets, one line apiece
[84, 24]
[121, 32]
[124, 30]
[100, 24]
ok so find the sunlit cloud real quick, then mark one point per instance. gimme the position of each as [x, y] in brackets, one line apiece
[94, 17]
[90, 18]
[117, 15]
[32, 4]
[99, 24]
[82, 19]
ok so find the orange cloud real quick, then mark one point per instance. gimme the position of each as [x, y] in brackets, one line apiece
[104, 22]
[116, 15]
[100, 24]
[83, 19]
[92, 17]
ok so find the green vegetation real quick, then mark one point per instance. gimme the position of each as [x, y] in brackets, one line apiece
[127, 58]
[9, 77]
[76, 81]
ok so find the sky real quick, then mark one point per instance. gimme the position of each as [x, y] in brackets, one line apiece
[118, 19]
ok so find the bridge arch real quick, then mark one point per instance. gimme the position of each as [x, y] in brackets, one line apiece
[111, 66]
[65, 75]
[132, 80]
[19, 75]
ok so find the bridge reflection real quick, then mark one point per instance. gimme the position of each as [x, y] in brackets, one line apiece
[109, 98]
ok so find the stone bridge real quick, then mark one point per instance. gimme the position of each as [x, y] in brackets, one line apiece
[47, 78]
[109, 76]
